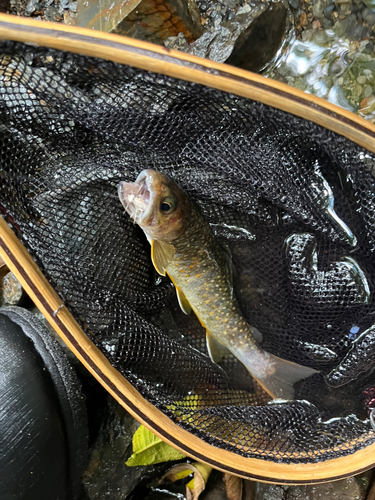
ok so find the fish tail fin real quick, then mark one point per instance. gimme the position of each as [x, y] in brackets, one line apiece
[285, 374]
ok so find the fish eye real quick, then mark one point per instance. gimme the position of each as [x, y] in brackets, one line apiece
[167, 205]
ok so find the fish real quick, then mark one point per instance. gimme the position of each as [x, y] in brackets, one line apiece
[184, 247]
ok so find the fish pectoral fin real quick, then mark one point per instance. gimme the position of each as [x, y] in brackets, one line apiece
[161, 255]
[182, 300]
[216, 350]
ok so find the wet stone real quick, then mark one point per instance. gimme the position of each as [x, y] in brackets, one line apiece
[32, 6]
[64, 4]
[52, 14]
[294, 3]
[369, 16]
[12, 293]
[327, 23]
[318, 8]
[203, 6]
[328, 11]
[107, 476]
[347, 489]
[178, 42]
[269, 492]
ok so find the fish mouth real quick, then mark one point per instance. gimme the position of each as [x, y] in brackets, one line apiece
[136, 197]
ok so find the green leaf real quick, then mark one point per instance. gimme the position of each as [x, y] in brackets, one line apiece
[148, 449]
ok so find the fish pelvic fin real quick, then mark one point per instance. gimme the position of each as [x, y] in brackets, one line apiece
[162, 254]
[216, 350]
[183, 301]
[282, 376]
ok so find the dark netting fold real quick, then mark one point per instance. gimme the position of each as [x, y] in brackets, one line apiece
[293, 202]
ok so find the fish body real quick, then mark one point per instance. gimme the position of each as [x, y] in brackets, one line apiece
[184, 247]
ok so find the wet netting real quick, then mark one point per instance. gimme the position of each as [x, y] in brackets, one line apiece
[295, 204]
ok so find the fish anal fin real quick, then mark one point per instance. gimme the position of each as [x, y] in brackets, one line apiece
[162, 254]
[216, 350]
[182, 300]
[279, 384]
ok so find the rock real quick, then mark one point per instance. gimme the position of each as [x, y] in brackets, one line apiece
[64, 4]
[327, 23]
[345, 26]
[346, 489]
[52, 14]
[73, 6]
[245, 9]
[369, 47]
[178, 42]
[369, 16]
[247, 40]
[269, 492]
[294, 3]
[107, 476]
[231, 4]
[259, 43]
[32, 6]
[12, 293]
[328, 11]
[318, 8]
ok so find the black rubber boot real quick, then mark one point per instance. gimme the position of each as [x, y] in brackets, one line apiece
[43, 427]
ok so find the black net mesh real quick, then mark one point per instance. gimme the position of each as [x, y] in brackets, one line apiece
[293, 202]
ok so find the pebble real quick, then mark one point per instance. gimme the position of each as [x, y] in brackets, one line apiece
[52, 14]
[327, 23]
[73, 6]
[244, 9]
[12, 293]
[369, 16]
[230, 3]
[318, 8]
[265, 491]
[303, 19]
[294, 3]
[64, 4]
[328, 11]
[32, 6]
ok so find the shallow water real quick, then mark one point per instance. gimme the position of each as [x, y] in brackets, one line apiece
[336, 64]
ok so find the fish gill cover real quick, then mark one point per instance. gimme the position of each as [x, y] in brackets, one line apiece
[292, 201]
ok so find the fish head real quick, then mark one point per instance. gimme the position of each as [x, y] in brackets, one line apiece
[156, 204]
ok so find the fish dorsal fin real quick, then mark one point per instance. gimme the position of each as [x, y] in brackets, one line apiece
[161, 255]
[182, 300]
[216, 350]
